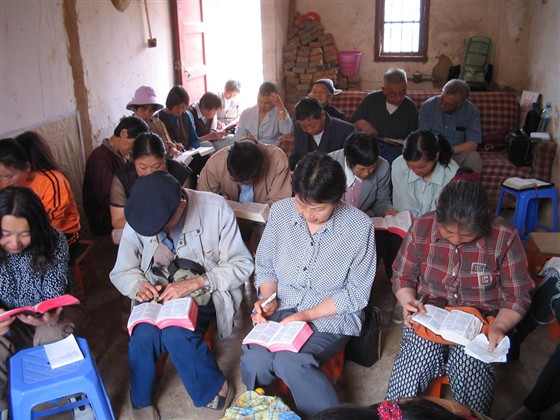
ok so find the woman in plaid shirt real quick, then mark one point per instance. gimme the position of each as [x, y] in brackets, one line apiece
[464, 256]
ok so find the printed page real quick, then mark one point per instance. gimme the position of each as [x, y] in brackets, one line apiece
[186, 157]
[521, 183]
[287, 334]
[205, 150]
[401, 220]
[460, 327]
[262, 333]
[147, 310]
[63, 352]
[379, 223]
[478, 348]
[432, 319]
[176, 308]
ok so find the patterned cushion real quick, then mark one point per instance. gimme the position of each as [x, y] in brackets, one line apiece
[498, 110]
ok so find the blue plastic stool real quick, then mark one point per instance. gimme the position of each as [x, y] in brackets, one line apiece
[526, 214]
[33, 382]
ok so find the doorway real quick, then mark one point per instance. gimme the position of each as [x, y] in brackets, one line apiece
[233, 45]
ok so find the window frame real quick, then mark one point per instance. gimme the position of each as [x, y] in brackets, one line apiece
[421, 55]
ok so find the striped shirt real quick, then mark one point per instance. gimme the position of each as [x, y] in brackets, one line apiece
[338, 261]
[488, 273]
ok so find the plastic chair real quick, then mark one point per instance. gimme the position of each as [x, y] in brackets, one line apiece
[334, 369]
[526, 214]
[434, 389]
[33, 382]
[86, 247]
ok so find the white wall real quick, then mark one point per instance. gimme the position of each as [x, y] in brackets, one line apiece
[35, 76]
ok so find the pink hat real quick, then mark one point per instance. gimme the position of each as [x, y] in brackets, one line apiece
[144, 95]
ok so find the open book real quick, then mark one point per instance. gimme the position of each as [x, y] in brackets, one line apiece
[553, 262]
[456, 326]
[256, 212]
[186, 157]
[525, 184]
[277, 337]
[180, 312]
[399, 223]
[45, 306]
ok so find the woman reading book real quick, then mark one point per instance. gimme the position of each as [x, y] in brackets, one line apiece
[299, 257]
[33, 268]
[458, 256]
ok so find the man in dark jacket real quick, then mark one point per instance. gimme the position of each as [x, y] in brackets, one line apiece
[314, 130]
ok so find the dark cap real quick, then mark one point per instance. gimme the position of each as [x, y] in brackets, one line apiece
[152, 202]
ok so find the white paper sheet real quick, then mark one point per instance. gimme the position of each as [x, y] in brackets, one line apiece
[63, 352]
[478, 348]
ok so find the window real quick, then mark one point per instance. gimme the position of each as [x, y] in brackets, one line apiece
[401, 32]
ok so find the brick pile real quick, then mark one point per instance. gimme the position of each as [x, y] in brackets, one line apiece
[311, 54]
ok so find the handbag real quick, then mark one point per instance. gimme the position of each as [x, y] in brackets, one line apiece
[520, 148]
[365, 350]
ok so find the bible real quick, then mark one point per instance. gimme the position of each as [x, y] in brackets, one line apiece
[457, 326]
[255, 212]
[180, 312]
[42, 307]
[277, 337]
[398, 224]
[521, 184]
[186, 157]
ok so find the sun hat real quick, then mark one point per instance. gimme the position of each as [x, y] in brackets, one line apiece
[152, 202]
[330, 86]
[144, 95]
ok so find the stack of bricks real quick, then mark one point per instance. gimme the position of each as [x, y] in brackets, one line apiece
[310, 55]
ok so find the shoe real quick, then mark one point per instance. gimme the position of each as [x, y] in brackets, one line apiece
[397, 314]
[146, 413]
[217, 406]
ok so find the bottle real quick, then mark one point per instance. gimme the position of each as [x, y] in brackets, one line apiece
[545, 117]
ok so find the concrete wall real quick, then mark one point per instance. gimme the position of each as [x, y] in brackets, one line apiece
[274, 29]
[86, 56]
[506, 22]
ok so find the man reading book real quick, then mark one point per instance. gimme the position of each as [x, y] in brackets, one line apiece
[459, 255]
[300, 259]
[165, 221]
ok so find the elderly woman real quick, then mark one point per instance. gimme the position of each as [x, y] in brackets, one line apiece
[299, 258]
[458, 256]
[422, 171]
[324, 90]
[148, 155]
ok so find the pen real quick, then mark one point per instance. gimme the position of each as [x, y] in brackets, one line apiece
[422, 298]
[266, 302]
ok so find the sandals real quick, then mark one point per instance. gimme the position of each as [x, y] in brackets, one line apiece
[219, 402]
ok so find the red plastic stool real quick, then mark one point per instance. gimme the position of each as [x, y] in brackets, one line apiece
[434, 389]
[334, 369]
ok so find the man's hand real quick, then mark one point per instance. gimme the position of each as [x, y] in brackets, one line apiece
[390, 212]
[181, 289]
[261, 314]
[366, 127]
[147, 292]
[276, 101]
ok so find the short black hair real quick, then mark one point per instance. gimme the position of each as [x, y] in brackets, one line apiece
[210, 101]
[361, 149]
[466, 204]
[308, 107]
[245, 161]
[177, 95]
[319, 178]
[134, 126]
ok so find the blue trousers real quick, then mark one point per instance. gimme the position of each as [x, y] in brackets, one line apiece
[311, 388]
[191, 356]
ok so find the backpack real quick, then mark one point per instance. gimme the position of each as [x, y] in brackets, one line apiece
[520, 148]
[532, 119]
